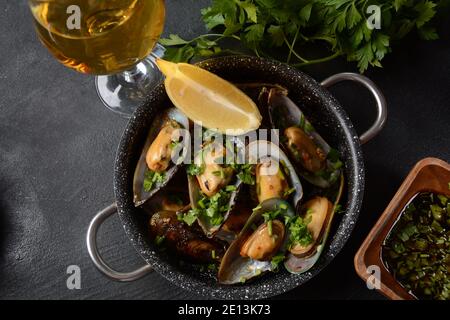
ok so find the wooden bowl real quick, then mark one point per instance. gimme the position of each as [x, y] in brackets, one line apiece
[428, 175]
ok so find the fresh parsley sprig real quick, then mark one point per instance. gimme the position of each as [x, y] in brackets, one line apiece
[338, 25]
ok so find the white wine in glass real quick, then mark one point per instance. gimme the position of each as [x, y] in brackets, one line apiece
[113, 39]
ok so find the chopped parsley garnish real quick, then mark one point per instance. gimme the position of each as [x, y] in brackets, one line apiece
[288, 192]
[308, 128]
[276, 260]
[333, 155]
[284, 169]
[337, 165]
[338, 209]
[274, 214]
[301, 124]
[245, 172]
[159, 240]
[189, 217]
[151, 179]
[271, 215]
[299, 233]
[256, 208]
[212, 209]
[195, 170]
[212, 267]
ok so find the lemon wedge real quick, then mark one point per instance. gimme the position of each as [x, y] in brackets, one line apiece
[209, 100]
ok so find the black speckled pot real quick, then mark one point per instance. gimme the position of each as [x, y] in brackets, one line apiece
[326, 115]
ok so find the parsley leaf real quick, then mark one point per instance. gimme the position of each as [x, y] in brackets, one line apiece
[212, 209]
[152, 179]
[426, 11]
[159, 240]
[299, 233]
[190, 217]
[276, 260]
[173, 40]
[195, 170]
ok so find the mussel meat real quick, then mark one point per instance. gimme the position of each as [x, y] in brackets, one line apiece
[159, 154]
[264, 242]
[305, 151]
[271, 182]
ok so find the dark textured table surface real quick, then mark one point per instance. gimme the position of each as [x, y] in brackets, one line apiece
[58, 142]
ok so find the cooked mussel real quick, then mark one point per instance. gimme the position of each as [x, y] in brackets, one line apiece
[275, 175]
[309, 155]
[264, 242]
[215, 175]
[159, 154]
[318, 215]
[213, 188]
[155, 166]
[183, 240]
[317, 212]
[263, 237]
[315, 160]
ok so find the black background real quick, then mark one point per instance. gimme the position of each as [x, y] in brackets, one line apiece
[58, 142]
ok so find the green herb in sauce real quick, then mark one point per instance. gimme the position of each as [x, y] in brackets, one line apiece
[417, 251]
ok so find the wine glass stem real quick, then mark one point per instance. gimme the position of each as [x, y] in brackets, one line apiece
[124, 92]
[138, 75]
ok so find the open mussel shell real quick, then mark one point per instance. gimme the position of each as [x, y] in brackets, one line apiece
[259, 93]
[140, 196]
[235, 268]
[211, 151]
[259, 150]
[283, 114]
[209, 229]
[304, 260]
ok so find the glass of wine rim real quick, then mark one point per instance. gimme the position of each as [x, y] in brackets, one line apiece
[116, 40]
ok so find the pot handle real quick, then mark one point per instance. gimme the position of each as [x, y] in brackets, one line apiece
[91, 241]
[376, 92]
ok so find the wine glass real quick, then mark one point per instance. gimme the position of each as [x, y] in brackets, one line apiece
[113, 39]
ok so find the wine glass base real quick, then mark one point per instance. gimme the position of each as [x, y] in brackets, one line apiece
[122, 93]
